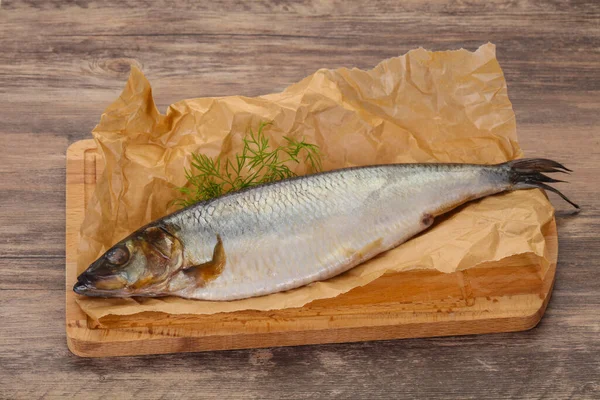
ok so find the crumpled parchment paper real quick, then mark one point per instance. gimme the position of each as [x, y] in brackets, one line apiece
[449, 106]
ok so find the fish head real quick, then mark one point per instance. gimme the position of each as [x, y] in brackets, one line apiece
[139, 265]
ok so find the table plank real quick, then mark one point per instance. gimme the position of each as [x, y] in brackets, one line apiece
[63, 62]
[520, 365]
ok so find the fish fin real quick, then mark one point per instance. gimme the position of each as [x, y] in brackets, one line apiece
[427, 220]
[527, 173]
[365, 251]
[209, 271]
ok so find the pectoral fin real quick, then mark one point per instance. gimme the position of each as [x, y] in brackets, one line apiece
[210, 270]
[367, 250]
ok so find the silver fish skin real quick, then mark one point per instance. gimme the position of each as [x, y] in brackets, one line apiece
[287, 234]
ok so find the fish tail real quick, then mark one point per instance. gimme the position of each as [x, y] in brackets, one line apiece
[527, 173]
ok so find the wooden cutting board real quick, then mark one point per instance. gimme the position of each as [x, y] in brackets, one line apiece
[510, 295]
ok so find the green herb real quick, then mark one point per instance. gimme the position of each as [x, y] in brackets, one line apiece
[258, 163]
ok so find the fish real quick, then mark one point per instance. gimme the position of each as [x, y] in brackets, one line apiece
[287, 234]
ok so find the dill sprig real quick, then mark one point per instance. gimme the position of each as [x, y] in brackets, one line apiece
[257, 163]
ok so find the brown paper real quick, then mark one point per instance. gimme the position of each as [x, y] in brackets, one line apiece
[421, 107]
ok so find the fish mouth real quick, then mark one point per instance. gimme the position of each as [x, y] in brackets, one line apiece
[80, 288]
[88, 290]
[85, 289]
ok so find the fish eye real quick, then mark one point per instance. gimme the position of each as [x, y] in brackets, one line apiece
[118, 255]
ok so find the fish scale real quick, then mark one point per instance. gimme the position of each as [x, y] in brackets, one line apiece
[339, 210]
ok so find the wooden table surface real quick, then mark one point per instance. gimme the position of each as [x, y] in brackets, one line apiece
[63, 62]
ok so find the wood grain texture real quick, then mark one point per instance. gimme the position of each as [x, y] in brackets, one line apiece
[63, 62]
